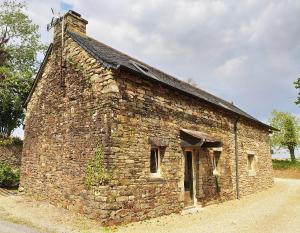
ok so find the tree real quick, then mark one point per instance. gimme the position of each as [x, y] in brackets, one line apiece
[297, 86]
[288, 135]
[19, 46]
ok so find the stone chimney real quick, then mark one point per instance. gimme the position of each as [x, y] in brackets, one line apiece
[72, 22]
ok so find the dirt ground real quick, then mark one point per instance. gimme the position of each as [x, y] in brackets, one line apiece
[273, 210]
[43, 217]
[288, 173]
[8, 227]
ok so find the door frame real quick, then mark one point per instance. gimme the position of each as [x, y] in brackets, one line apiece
[193, 152]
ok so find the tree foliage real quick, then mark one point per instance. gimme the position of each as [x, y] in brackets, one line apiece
[297, 86]
[8, 177]
[288, 135]
[19, 47]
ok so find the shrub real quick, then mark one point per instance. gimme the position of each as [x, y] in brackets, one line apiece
[96, 172]
[10, 141]
[9, 178]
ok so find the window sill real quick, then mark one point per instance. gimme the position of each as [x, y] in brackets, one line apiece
[155, 179]
[251, 173]
[155, 176]
[216, 173]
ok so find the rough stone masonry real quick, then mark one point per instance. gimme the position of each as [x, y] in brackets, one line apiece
[167, 145]
[11, 154]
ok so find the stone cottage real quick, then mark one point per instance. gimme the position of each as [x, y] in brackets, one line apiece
[167, 145]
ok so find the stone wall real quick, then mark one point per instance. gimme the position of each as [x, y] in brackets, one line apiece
[257, 143]
[68, 119]
[11, 154]
[87, 106]
[148, 109]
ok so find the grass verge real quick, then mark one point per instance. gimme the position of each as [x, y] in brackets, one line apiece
[285, 164]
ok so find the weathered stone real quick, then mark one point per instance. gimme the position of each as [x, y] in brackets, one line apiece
[122, 198]
[11, 154]
[110, 89]
[101, 198]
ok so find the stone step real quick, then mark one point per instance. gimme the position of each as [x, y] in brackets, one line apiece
[191, 210]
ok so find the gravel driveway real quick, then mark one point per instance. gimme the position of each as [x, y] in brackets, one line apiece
[7, 227]
[274, 210]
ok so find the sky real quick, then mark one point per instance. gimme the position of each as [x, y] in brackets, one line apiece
[246, 52]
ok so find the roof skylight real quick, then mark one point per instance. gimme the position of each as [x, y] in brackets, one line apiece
[143, 69]
[140, 67]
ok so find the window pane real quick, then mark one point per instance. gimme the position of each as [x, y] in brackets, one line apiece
[154, 161]
[250, 162]
[216, 158]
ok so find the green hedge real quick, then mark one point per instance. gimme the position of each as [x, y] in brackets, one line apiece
[9, 178]
[10, 141]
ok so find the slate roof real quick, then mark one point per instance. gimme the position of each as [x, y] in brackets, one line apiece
[113, 58]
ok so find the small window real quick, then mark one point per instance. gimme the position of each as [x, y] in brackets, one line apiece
[154, 161]
[216, 158]
[250, 163]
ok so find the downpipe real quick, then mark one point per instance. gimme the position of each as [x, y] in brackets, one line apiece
[236, 159]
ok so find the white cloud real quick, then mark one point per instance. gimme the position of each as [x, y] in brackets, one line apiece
[244, 51]
[40, 13]
[19, 132]
[230, 67]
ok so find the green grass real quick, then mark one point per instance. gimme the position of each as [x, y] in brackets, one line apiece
[285, 164]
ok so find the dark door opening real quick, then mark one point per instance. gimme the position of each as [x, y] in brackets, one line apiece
[188, 179]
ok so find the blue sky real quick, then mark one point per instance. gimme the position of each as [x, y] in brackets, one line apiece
[247, 52]
[65, 6]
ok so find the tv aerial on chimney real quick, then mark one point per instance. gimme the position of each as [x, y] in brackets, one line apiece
[55, 18]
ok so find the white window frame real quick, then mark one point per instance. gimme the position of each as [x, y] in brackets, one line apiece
[157, 173]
